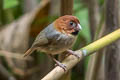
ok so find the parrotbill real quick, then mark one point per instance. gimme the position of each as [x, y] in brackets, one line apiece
[57, 37]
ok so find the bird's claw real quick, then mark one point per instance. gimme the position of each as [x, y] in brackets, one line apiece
[76, 56]
[61, 65]
[73, 53]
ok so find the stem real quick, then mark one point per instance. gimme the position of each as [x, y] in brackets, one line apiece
[99, 28]
[71, 60]
[66, 9]
[101, 42]
[96, 59]
[111, 67]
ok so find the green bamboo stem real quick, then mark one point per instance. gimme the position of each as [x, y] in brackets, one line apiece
[71, 60]
[101, 42]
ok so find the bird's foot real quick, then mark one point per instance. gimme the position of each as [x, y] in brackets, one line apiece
[58, 63]
[73, 53]
[61, 65]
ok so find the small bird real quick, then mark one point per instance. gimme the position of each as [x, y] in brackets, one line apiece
[57, 37]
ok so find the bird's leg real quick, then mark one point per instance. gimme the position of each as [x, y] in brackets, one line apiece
[73, 53]
[58, 63]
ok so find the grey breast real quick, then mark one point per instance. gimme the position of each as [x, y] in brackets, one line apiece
[57, 41]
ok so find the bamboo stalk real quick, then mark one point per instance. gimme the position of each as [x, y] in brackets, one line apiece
[112, 60]
[71, 60]
[66, 9]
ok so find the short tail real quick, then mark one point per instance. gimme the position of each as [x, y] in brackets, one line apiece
[28, 52]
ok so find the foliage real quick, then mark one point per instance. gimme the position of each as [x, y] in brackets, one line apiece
[10, 3]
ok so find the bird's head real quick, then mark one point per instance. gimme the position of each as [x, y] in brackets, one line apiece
[68, 24]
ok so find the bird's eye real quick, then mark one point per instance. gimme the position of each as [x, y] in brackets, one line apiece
[72, 24]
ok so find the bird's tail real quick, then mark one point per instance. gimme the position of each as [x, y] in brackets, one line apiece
[28, 52]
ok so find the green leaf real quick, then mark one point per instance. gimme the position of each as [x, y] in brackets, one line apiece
[10, 3]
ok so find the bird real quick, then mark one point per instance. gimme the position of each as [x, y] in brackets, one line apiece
[57, 38]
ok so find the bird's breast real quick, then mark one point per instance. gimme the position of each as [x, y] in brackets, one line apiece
[57, 42]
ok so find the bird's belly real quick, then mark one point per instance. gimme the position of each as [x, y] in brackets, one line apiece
[57, 47]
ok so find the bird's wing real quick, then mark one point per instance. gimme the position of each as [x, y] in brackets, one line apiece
[41, 39]
[45, 36]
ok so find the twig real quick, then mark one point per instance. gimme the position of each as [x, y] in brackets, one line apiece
[9, 55]
[27, 72]
[71, 60]
[14, 55]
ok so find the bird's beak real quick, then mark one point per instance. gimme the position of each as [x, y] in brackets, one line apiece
[77, 29]
[80, 26]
